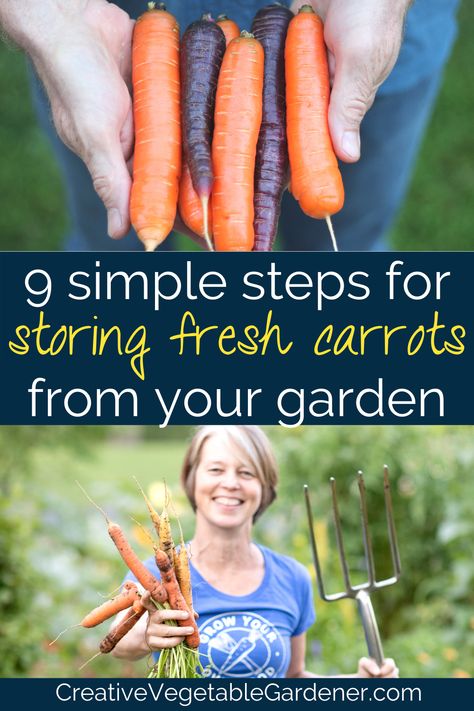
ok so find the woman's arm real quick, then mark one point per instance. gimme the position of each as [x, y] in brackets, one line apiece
[367, 667]
[297, 670]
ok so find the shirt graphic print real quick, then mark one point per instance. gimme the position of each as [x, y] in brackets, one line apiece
[242, 645]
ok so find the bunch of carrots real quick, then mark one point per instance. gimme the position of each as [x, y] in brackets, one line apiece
[172, 591]
[225, 121]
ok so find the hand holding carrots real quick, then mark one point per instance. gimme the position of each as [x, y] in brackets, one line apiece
[155, 615]
[159, 635]
[81, 52]
[363, 39]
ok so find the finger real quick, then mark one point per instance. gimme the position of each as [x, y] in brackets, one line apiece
[112, 183]
[369, 666]
[389, 668]
[127, 136]
[147, 602]
[331, 67]
[157, 643]
[159, 630]
[126, 57]
[351, 97]
[174, 615]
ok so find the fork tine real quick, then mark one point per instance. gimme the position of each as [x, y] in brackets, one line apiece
[369, 556]
[392, 534]
[339, 538]
[314, 548]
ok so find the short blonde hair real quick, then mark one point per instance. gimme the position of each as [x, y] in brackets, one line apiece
[251, 441]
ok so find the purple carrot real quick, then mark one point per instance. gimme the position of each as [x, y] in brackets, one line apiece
[202, 50]
[270, 26]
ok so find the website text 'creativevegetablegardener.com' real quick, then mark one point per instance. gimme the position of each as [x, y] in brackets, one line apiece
[301, 338]
[272, 692]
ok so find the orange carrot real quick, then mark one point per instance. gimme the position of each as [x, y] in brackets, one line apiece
[111, 607]
[183, 574]
[190, 206]
[166, 537]
[315, 178]
[175, 596]
[130, 558]
[237, 120]
[155, 518]
[123, 627]
[139, 570]
[156, 109]
[228, 27]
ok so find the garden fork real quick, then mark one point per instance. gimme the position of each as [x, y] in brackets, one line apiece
[360, 593]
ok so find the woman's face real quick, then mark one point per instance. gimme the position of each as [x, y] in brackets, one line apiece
[227, 490]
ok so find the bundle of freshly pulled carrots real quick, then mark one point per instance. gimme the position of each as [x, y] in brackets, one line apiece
[172, 591]
[212, 135]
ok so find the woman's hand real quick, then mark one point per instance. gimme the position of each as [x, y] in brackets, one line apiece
[151, 634]
[363, 38]
[368, 668]
[159, 635]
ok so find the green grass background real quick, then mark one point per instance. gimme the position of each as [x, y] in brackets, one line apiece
[437, 215]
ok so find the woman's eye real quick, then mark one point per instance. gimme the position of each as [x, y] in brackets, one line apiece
[246, 474]
[215, 470]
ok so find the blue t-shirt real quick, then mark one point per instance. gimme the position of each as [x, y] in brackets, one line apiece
[249, 635]
[429, 34]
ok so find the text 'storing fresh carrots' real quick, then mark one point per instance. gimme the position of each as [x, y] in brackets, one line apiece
[156, 110]
[270, 26]
[237, 120]
[315, 178]
[110, 608]
[229, 28]
[202, 50]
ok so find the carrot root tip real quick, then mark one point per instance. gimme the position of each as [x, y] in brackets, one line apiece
[205, 213]
[331, 232]
[151, 244]
[89, 661]
[71, 627]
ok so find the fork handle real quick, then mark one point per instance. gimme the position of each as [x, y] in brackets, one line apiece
[371, 629]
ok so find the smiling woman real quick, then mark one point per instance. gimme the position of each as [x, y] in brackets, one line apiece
[254, 604]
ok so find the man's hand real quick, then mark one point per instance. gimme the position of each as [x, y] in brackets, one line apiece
[82, 53]
[363, 38]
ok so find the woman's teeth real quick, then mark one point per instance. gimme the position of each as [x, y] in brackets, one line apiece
[227, 501]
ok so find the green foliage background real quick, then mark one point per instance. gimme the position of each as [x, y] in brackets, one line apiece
[437, 214]
[57, 560]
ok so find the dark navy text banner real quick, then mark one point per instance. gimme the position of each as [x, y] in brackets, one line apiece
[190, 338]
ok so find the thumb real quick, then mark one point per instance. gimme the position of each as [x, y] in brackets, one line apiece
[112, 184]
[147, 602]
[351, 97]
